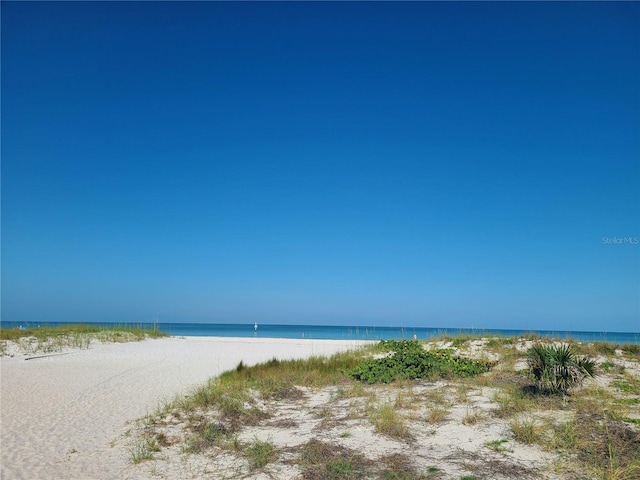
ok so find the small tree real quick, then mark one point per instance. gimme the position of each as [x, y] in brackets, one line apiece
[557, 368]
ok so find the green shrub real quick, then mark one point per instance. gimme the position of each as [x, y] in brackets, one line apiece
[557, 368]
[407, 359]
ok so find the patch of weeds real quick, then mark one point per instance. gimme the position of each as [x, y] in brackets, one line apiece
[207, 435]
[338, 394]
[405, 398]
[284, 423]
[471, 417]
[635, 421]
[357, 390]
[608, 448]
[438, 396]
[498, 446]
[631, 349]
[510, 402]
[565, 436]
[323, 461]
[626, 387]
[516, 398]
[400, 467]
[259, 453]
[162, 440]
[606, 366]
[345, 435]
[526, 431]
[595, 401]
[462, 392]
[143, 450]
[437, 415]
[387, 421]
[277, 389]
[325, 412]
[339, 468]
[602, 348]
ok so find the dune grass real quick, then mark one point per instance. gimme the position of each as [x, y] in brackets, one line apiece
[47, 339]
[592, 427]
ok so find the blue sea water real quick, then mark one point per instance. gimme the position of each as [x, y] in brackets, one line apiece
[334, 332]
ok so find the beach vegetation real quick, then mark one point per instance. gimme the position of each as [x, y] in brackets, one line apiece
[438, 397]
[437, 415]
[259, 453]
[462, 392]
[593, 429]
[499, 446]
[408, 359]
[143, 450]
[388, 421]
[471, 416]
[401, 467]
[48, 339]
[607, 366]
[557, 368]
[526, 430]
[606, 448]
[325, 461]
[630, 385]
[209, 433]
[512, 400]
[631, 349]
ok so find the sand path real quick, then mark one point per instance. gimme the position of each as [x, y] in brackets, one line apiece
[59, 414]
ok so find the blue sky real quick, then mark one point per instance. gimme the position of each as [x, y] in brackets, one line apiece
[415, 164]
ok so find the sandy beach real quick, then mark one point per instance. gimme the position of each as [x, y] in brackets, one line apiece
[60, 414]
[76, 414]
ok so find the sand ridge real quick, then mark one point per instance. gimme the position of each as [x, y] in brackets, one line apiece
[61, 413]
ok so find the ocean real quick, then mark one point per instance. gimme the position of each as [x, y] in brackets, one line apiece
[334, 332]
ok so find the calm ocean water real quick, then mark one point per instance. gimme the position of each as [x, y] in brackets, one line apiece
[329, 332]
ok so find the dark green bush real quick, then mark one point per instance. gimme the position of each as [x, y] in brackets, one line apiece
[407, 359]
[557, 368]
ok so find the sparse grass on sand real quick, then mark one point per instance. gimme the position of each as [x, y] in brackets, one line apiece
[48, 339]
[327, 424]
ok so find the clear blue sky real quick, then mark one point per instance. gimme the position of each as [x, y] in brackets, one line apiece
[416, 164]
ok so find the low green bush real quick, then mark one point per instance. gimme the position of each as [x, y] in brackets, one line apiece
[408, 360]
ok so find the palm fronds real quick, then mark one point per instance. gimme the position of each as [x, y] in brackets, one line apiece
[557, 368]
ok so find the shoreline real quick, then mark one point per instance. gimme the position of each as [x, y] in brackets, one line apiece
[60, 413]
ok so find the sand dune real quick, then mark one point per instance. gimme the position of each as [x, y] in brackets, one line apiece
[61, 413]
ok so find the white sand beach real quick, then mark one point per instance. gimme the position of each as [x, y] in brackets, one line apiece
[75, 415]
[61, 413]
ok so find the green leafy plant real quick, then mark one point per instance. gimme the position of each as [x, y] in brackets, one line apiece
[407, 359]
[557, 368]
